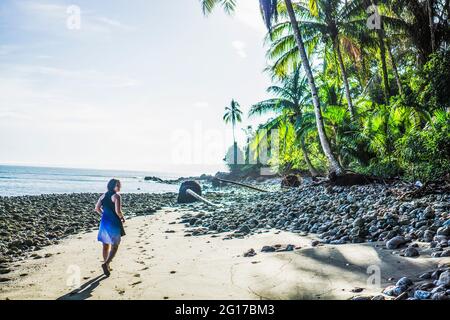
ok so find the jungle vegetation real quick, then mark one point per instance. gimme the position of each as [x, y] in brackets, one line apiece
[358, 85]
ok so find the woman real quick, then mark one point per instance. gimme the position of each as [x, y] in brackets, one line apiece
[111, 229]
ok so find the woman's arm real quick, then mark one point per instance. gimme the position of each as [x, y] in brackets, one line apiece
[98, 206]
[118, 205]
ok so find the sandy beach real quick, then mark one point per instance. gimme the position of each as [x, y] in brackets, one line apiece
[157, 261]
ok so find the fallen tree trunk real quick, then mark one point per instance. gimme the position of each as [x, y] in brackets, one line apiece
[241, 184]
[200, 198]
[349, 179]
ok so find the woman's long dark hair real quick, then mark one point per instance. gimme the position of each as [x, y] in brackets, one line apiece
[112, 184]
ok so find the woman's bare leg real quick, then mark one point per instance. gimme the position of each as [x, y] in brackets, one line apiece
[112, 253]
[106, 249]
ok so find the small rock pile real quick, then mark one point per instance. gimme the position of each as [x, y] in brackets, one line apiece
[433, 285]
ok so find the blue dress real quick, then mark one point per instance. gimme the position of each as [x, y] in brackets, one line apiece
[111, 228]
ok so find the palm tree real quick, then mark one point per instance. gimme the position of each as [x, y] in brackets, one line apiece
[382, 46]
[292, 98]
[430, 9]
[269, 12]
[334, 164]
[331, 20]
[422, 30]
[234, 115]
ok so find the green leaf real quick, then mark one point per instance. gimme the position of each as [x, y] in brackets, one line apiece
[313, 8]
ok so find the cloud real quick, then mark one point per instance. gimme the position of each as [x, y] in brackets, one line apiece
[59, 14]
[47, 9]
[8, 49]
[88, 77]
[112, 23]
[240, 46]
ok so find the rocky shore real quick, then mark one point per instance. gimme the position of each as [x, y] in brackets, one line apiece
[375, 213]
[30, 222]
[338, 215]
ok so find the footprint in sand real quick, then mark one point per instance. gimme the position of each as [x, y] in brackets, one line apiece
[137, 275]
[172, 272]
[136, 283]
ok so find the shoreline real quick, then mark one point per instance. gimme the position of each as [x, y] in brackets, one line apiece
[31, 222]
[156, 261]
[368, 220]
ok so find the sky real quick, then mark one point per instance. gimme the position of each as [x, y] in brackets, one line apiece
[126, 84]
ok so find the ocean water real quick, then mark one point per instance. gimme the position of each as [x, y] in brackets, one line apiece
[20, 180]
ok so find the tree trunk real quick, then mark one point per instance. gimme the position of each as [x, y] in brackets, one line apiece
[334, 165]
[234, 147]
[311, 168]
[383, 64]
[430, 18]
[337, 49]
[394, 67]
[363, 67]
[447, 6]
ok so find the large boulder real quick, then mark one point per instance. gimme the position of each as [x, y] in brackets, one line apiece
[183, 196]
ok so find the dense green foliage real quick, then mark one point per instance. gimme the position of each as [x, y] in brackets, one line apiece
[383, 91]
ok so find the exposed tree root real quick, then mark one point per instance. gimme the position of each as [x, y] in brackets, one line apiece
[350, 179]
[430, 187]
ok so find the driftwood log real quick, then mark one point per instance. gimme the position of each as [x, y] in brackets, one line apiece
[350, 179]
[241, 184]
[200, 198]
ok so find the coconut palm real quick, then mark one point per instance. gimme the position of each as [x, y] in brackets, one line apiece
[233, 114]
[269, 10]
[424, 23]
[329, 22]
[292, 104]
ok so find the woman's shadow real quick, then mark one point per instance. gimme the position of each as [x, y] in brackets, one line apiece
[85, 291]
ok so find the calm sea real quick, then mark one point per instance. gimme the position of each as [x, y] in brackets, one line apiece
[19, 180]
